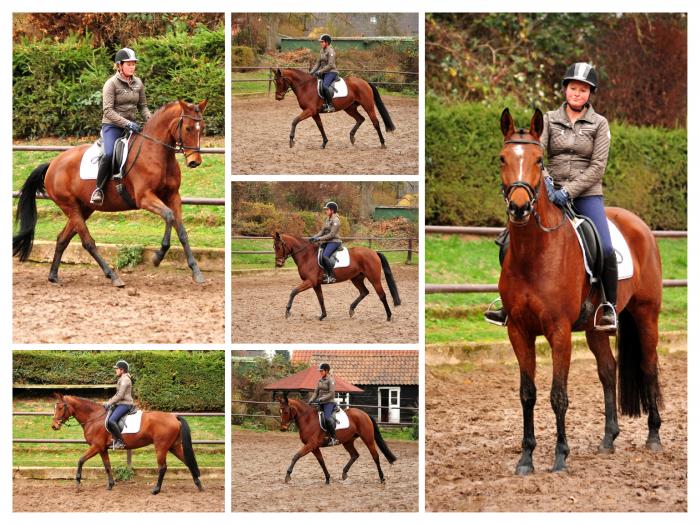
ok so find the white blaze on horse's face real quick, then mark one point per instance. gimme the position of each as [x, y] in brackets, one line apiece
[520, 152]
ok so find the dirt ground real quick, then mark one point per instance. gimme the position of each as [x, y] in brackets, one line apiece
[261, 127]
[260, 461]
[31, 495]
[157, 305]
[473, 444]
[260, 298]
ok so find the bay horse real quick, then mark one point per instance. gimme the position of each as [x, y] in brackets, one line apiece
[363, 263]
[362, 425]
[543, 286]
[167, 432]
[360, 93]
[152, 183]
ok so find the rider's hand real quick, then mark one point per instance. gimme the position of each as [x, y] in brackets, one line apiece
[560, 197]
[133, 126]
[106, 405]
[313, 239]
[549, 184]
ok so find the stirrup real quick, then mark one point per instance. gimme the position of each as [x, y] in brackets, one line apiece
[328, 279]
[118, 444]
[605, 327]
[98, 197]
[328, 108]
[492, 308]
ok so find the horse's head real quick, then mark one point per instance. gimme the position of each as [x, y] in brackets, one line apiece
[521, 166]
[282, 250]
[282, 84]
[188, 131]
[287, 413]
[62, 412]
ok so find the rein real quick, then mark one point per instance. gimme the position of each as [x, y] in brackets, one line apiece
[291, 252]
[179, 146]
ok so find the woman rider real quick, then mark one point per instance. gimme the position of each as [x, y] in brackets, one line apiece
[577, 140]
[325, 70]
[122, 95]
[329, 237]
[121, 401]
[324, 395]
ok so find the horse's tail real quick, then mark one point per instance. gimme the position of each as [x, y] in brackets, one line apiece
[26, 212]
[186, 434]
[390, 279]
[388, 454]
[638, 392]
[388, 123]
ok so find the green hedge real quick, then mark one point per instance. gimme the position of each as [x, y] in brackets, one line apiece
[647, 168]
[57, 86]
[171, 381]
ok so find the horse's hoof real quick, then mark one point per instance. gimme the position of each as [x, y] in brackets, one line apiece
[199, 485]
[654, 446]
[109, 487]
[156, 259]
[198, 278]
[602, 449]
[53, 279]
[382, 481]
[291, 143]
[352, 312]
[323, 146]
[524, 470]
[328, 481]
[116, 281]
[388, 318]
[155, 491]
[321, 317]
[287, 478]
[287, 314]
[383, 146]
[345, 476]
[559, 467]
[352, 140]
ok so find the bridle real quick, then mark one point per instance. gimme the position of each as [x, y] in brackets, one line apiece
[180, 146]
[290, 85]
[533, 192]
[65, 416]
[290, 252]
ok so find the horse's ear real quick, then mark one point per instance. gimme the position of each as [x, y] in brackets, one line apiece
[537, 124]
[58, 396]
[277, 236]
[203, 104]
[278, 73]
[184, 105]
[507, 125]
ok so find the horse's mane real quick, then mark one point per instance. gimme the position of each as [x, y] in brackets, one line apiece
[297, 237]
[84, 400]
[300, 73]
[158, 112]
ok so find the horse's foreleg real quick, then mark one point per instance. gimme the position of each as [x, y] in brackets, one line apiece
[161, 457]
[302, 116]
[359, 119]
[599, 343]
[317, 120]
[303, 286]
[319, 457]
[560, 341]
[359, 282]
[108, 468]
[176, 204]
[89, 245]
[319, 295]
[350, 447]
[62, 242]
[524, 348]
[165, 242]
[91, 452]
[303, 452]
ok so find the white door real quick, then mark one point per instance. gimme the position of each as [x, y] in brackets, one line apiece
[394, 405]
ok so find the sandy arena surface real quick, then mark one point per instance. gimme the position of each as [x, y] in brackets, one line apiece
[474, 428]
[31, 495]
[157, 305]
[260, 299]
[261, 127]
[260, 461]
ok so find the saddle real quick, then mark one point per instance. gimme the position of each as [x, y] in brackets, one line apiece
[341, 419]
[130, 423]
[591, 245]
[340, 258]
[338, 87]
[91, 158]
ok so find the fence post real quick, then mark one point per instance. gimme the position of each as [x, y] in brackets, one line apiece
[369, 241]
[269, 81]
[128, 458]
[409, 255]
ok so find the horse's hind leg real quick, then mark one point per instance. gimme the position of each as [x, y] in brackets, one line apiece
[62, 242]
[359, 282]
[90, 246]
[180, 454]
[319, 295]
[599, 343]
[359, 119]
[317, 120]
[161, 457]
[377, 285]
[350, 447]
[375, 122]
[368, 440]
[108, 468]
[316, 452]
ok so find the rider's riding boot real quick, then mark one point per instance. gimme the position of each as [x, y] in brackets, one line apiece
[117, 440]
[331, 432]
[328, 96]
[328, 266]
[103, 173]
[608, 319]
[499, 317]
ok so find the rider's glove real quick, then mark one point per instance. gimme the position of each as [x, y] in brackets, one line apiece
[560, 197]
[133, 126]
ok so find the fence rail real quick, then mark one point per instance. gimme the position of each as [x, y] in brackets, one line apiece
[22, 147]
[194, 201]
[493, 231]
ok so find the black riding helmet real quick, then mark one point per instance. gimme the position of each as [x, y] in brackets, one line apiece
[325, 366]
[123, 365]
[330, 205]
[125, 54]
[325, 38]
[583, 72]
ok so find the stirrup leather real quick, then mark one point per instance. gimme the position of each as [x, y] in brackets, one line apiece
[608, 327]
[492, 308]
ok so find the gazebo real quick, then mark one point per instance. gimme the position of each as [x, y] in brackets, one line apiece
[306, 381]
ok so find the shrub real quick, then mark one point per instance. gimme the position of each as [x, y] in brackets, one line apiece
[129, 256]
[243, 56]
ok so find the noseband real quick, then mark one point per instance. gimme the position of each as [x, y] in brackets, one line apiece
[290, 251]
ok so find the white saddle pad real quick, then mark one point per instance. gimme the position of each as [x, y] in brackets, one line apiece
[132, 423]
[341, 88]
[341, 420]
[625, 265]
[343, 258]
[90, 162]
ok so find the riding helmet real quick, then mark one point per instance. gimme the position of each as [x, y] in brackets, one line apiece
[582, 72]
[325, 38]
[123, 365]
[330, 205]
[125, 54]
[325, 366]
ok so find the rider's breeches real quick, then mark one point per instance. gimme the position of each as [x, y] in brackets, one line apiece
[593, 208]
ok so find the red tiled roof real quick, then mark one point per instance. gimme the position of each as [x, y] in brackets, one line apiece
[366, 367]
[308, 379]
